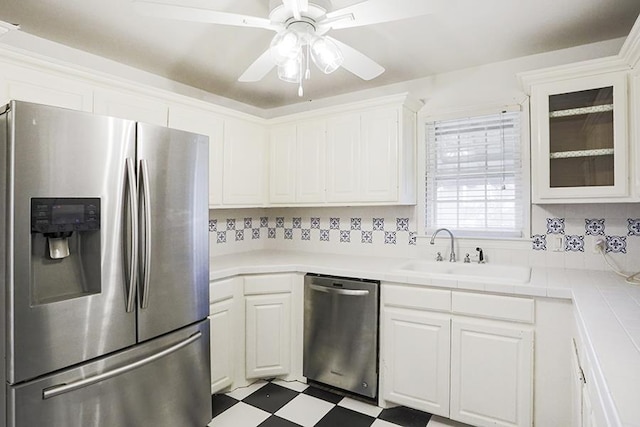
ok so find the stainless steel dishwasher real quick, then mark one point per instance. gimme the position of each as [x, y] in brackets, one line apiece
[341, 333]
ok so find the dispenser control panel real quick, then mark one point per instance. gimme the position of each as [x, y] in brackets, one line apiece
[61, 215]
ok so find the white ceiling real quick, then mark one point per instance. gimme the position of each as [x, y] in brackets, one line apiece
[462, 34]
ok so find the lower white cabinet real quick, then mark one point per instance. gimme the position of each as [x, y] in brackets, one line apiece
[416, 359]
[491, 373]
[269, 324]
[268, 335]
[462, 355]
[225, 326]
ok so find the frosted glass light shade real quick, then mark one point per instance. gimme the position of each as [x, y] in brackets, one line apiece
[290, 70]
[285, 46]
[326, 55]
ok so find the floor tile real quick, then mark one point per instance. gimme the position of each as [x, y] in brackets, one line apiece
[240, 414]
[270, 398]
[242, 392]
[359, 406]
[445, 422]
[305, 410]
[275, 421]
[340, 416]
[381, 423]
[323, 394]
[405, 417]
[220, 403]
[293, 385]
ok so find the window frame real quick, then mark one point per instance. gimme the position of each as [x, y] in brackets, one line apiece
[425, 116]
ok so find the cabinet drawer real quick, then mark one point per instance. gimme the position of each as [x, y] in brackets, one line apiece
[268, 284]
[493, 306]
[221, 290]
[416, 297]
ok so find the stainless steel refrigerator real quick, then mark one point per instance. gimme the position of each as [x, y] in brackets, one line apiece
[104, 269]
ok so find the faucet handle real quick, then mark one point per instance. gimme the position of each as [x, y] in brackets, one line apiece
[480, 256]
[467, 259]
[438, 256]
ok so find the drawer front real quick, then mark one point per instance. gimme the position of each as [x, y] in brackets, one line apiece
[493, 306]
[416, 297]
[221, 290]
[268, 284]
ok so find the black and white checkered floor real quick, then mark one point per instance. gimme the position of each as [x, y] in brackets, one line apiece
[292, 404]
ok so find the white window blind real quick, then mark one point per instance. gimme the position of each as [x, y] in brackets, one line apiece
[474, 175]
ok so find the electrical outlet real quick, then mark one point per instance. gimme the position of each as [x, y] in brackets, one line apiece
[597, 244]
[557, 243]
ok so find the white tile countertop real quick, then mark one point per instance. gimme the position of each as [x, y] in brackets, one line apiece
[607, 309]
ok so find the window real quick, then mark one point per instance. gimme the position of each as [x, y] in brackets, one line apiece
[474, 175]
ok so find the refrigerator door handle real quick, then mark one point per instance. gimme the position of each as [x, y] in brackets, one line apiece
[67, 388]
[133, 255]
[146, 200]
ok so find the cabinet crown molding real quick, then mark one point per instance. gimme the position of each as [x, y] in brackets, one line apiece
[630, 50]
[610, 64]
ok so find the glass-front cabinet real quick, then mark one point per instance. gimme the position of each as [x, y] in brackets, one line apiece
[579, 139]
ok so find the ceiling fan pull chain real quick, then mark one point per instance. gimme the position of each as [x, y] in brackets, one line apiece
[300, 78]
[307, 74]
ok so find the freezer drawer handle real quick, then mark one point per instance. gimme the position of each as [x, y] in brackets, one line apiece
[350, 292]
[66, 388]
[133, 256]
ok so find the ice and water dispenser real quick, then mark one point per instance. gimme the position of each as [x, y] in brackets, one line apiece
[65, 248]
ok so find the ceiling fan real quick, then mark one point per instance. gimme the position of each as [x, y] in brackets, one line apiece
[301, 27]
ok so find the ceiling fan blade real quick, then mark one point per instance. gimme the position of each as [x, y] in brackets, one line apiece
[358, 63]
[370, 12]
[196, 14]
[259, 68]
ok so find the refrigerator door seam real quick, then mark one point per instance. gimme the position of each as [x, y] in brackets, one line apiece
[66, 388]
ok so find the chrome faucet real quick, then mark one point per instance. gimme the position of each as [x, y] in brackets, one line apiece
[452, 256]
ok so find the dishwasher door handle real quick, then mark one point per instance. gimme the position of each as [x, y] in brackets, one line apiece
[339, 291]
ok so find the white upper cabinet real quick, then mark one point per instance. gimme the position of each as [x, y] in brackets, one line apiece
[579, 136]
[283, 166]
[311, 161]
[209, 124]
[26, 84]
[380, 167]
[131, 106]
[245, 163]
[297, 166]
[343, 158]
[635, 128]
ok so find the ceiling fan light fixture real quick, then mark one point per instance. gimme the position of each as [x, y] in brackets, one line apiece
[326, 55]
[286, 45]
[290, 70]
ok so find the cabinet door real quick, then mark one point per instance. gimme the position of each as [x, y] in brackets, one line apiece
[343, 158]
[491, 373]
[379, 151]
[130, 106]
[24, 84]
[268, 335]
[222, 344]
[311, 139]
[416, 356]
[282, 164]
[245, 161]
[205, 123]
[579, 139]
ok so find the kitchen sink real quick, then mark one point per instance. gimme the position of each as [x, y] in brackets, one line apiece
[470, 271]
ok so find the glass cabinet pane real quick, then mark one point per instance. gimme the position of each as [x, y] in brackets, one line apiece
[581, 138]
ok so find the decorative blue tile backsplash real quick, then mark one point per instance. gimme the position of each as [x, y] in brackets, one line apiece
[343, 230]
[592, 227]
